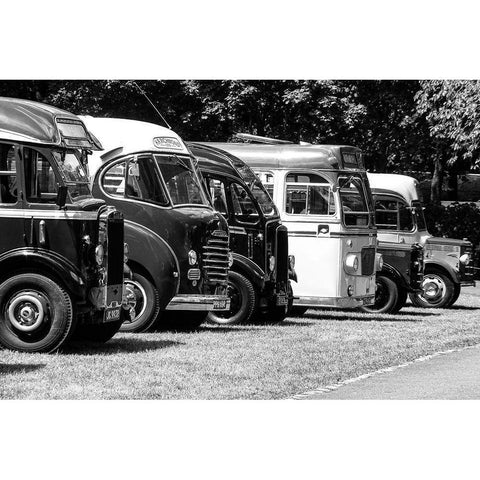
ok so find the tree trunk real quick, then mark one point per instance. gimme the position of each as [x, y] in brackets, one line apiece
[437, 179]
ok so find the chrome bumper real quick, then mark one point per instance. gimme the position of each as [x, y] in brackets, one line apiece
[206, 303]
[334, 302]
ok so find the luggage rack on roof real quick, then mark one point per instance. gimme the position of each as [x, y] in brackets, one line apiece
[248, 137]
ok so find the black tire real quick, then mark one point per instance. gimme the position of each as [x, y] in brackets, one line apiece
[438, 291]
[36, 314]
[457, 288]
[147, 304]
[181, 320]
[243, 302]
[97, 333]
[386, 296]
[402, 299]
[298, 311]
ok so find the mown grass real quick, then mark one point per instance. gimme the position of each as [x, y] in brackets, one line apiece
[241, 362]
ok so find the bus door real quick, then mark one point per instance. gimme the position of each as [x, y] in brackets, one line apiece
[310, 214]
[233, 201]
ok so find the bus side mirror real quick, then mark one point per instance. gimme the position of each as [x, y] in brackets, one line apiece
[62, 196]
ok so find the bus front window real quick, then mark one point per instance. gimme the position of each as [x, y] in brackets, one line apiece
[181, 180]
[264, 199]
[353, 201]
[419, 217]
[74, 174]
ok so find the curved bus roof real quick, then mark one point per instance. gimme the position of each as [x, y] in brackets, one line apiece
[38, 123]
[221, 162]
[389, 183]
[121, 136]
[329, 157]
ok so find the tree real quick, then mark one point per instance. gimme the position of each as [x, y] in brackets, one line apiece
[452, 111]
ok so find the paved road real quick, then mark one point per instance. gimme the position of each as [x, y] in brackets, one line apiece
[454, 375]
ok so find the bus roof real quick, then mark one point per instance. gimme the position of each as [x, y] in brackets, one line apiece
[222, 162]
[388, 183]
[38, 123]
[121, 137]
[329, 157]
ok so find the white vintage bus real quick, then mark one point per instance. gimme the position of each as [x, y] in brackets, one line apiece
[325, 202]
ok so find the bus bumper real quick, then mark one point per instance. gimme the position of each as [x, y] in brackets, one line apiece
[334, 302]
[205, 303]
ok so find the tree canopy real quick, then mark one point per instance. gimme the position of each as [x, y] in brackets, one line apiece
[402, 126]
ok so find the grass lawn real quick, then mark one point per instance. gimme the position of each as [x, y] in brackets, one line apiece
[241, 362]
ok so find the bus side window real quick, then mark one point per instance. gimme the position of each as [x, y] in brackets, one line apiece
[40, 180]
[8, 174]
[113, 181]
[216, 189]
[308, 194]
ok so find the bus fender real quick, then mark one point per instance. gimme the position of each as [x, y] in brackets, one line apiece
[47, 263]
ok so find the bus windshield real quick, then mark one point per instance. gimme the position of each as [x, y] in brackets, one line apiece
[417, 211]
[353, 201]
[182, 182]
[73, 173]
[263, 198]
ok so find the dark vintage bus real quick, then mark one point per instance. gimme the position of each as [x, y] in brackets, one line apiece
[325, 202]
[179, 246]
[259, 276]
[61, 250]
[400, 220]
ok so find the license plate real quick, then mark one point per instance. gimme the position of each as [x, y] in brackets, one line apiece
[112, 314]
[219, 304]
[282, 300]
[369, 301]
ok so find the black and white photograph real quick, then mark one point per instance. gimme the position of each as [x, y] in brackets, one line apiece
[229, 256]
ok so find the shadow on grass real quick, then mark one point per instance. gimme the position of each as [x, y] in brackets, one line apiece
[461, 307]
[6, 369]
[247, 327]
[372, 317]
[117, 345]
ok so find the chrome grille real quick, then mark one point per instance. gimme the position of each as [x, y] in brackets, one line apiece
[215, 258]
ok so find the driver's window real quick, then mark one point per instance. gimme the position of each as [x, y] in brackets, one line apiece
[243, 207]
[216, 189]
[8, 175]
[40, 180]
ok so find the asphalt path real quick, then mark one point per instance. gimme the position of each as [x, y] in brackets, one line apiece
[448, 376]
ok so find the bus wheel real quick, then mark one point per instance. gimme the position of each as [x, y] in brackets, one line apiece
[402, 299]
[243, 300]
[36, 314]
[145, 300]
[456, 293]
[386, 296]
[438, 291]
[97, 333]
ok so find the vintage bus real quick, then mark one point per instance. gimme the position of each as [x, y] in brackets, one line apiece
[400, 220]
[179, 246]
[325, 202]
[61, 250]
[259, 276]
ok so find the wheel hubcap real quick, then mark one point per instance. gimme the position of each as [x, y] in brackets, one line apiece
[136, 298]
[433, 288]
[26, 311]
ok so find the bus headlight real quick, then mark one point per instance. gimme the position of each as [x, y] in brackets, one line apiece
[192, 257]
[379, 262]
[271, 263]
[351, 263]
[350, 291]
[465, 259]
[99, 254]
[126, 252]
[230, 259]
